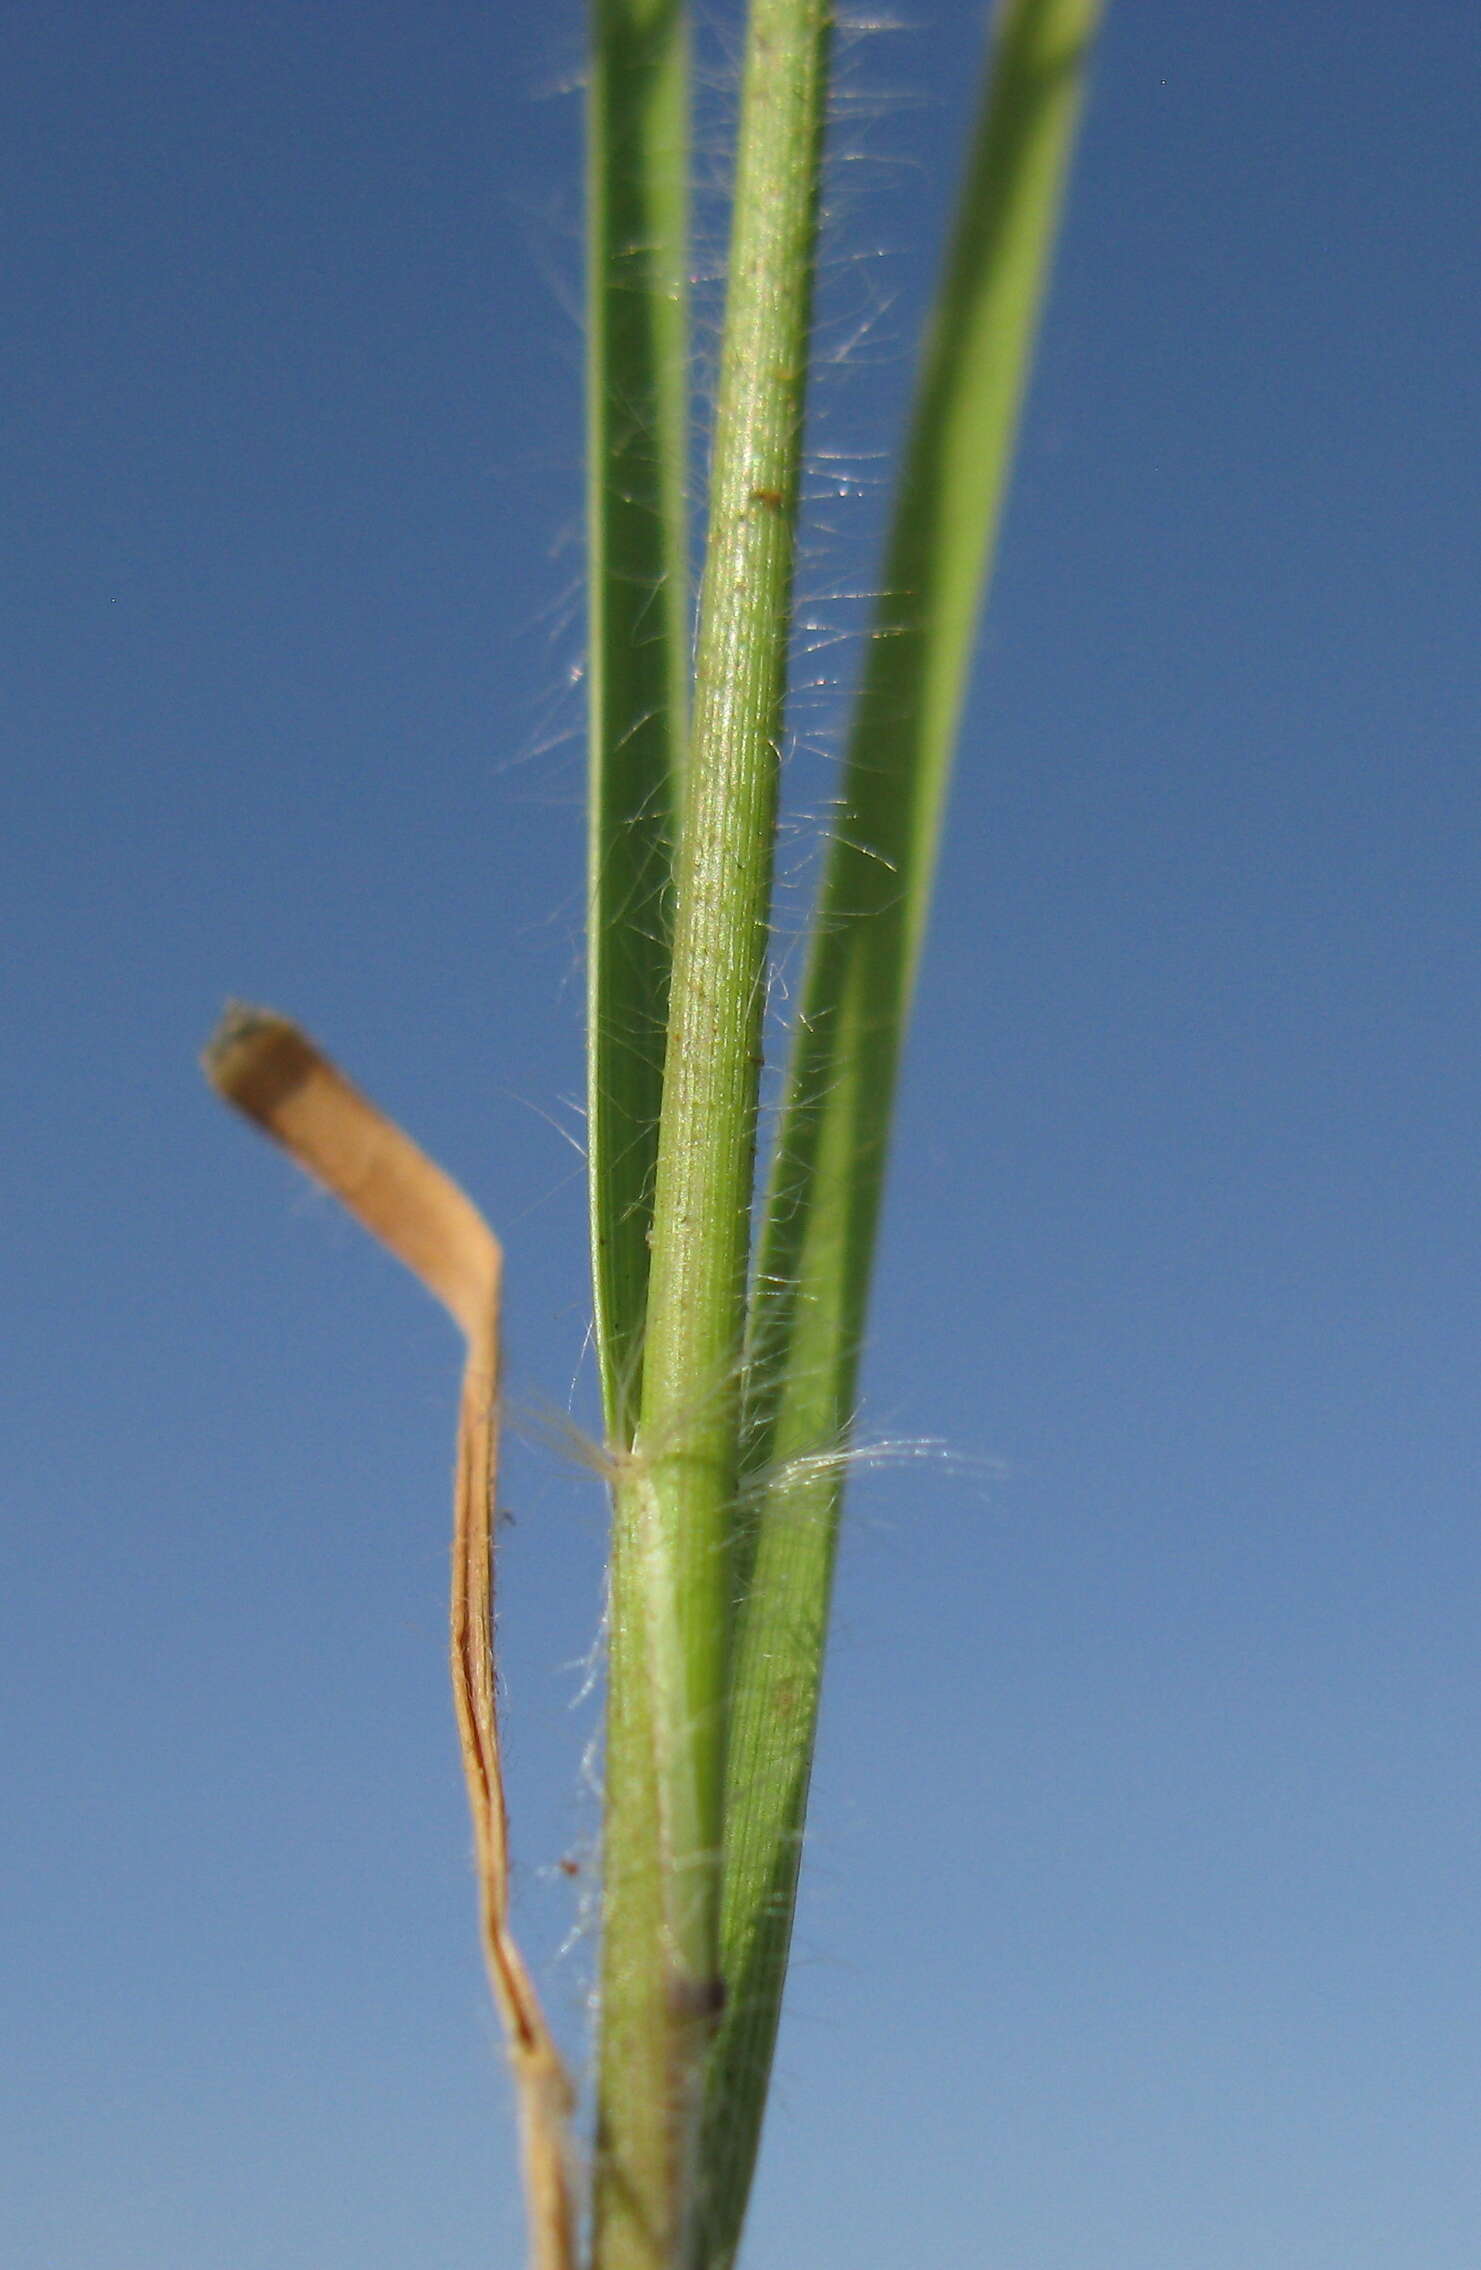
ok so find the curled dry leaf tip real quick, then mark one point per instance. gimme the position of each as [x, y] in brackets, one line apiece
[274, 1074]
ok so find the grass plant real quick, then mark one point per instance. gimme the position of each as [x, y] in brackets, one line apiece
[728, 1324]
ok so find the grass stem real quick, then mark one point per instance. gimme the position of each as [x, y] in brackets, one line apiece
[674, 1511]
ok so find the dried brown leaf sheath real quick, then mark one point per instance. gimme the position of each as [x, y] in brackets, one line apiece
[272, 1072]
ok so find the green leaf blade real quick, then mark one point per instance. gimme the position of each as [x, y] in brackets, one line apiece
[822, 1209]
[637, 415]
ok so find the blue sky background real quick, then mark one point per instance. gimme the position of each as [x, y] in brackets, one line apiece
[1143, 1897]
